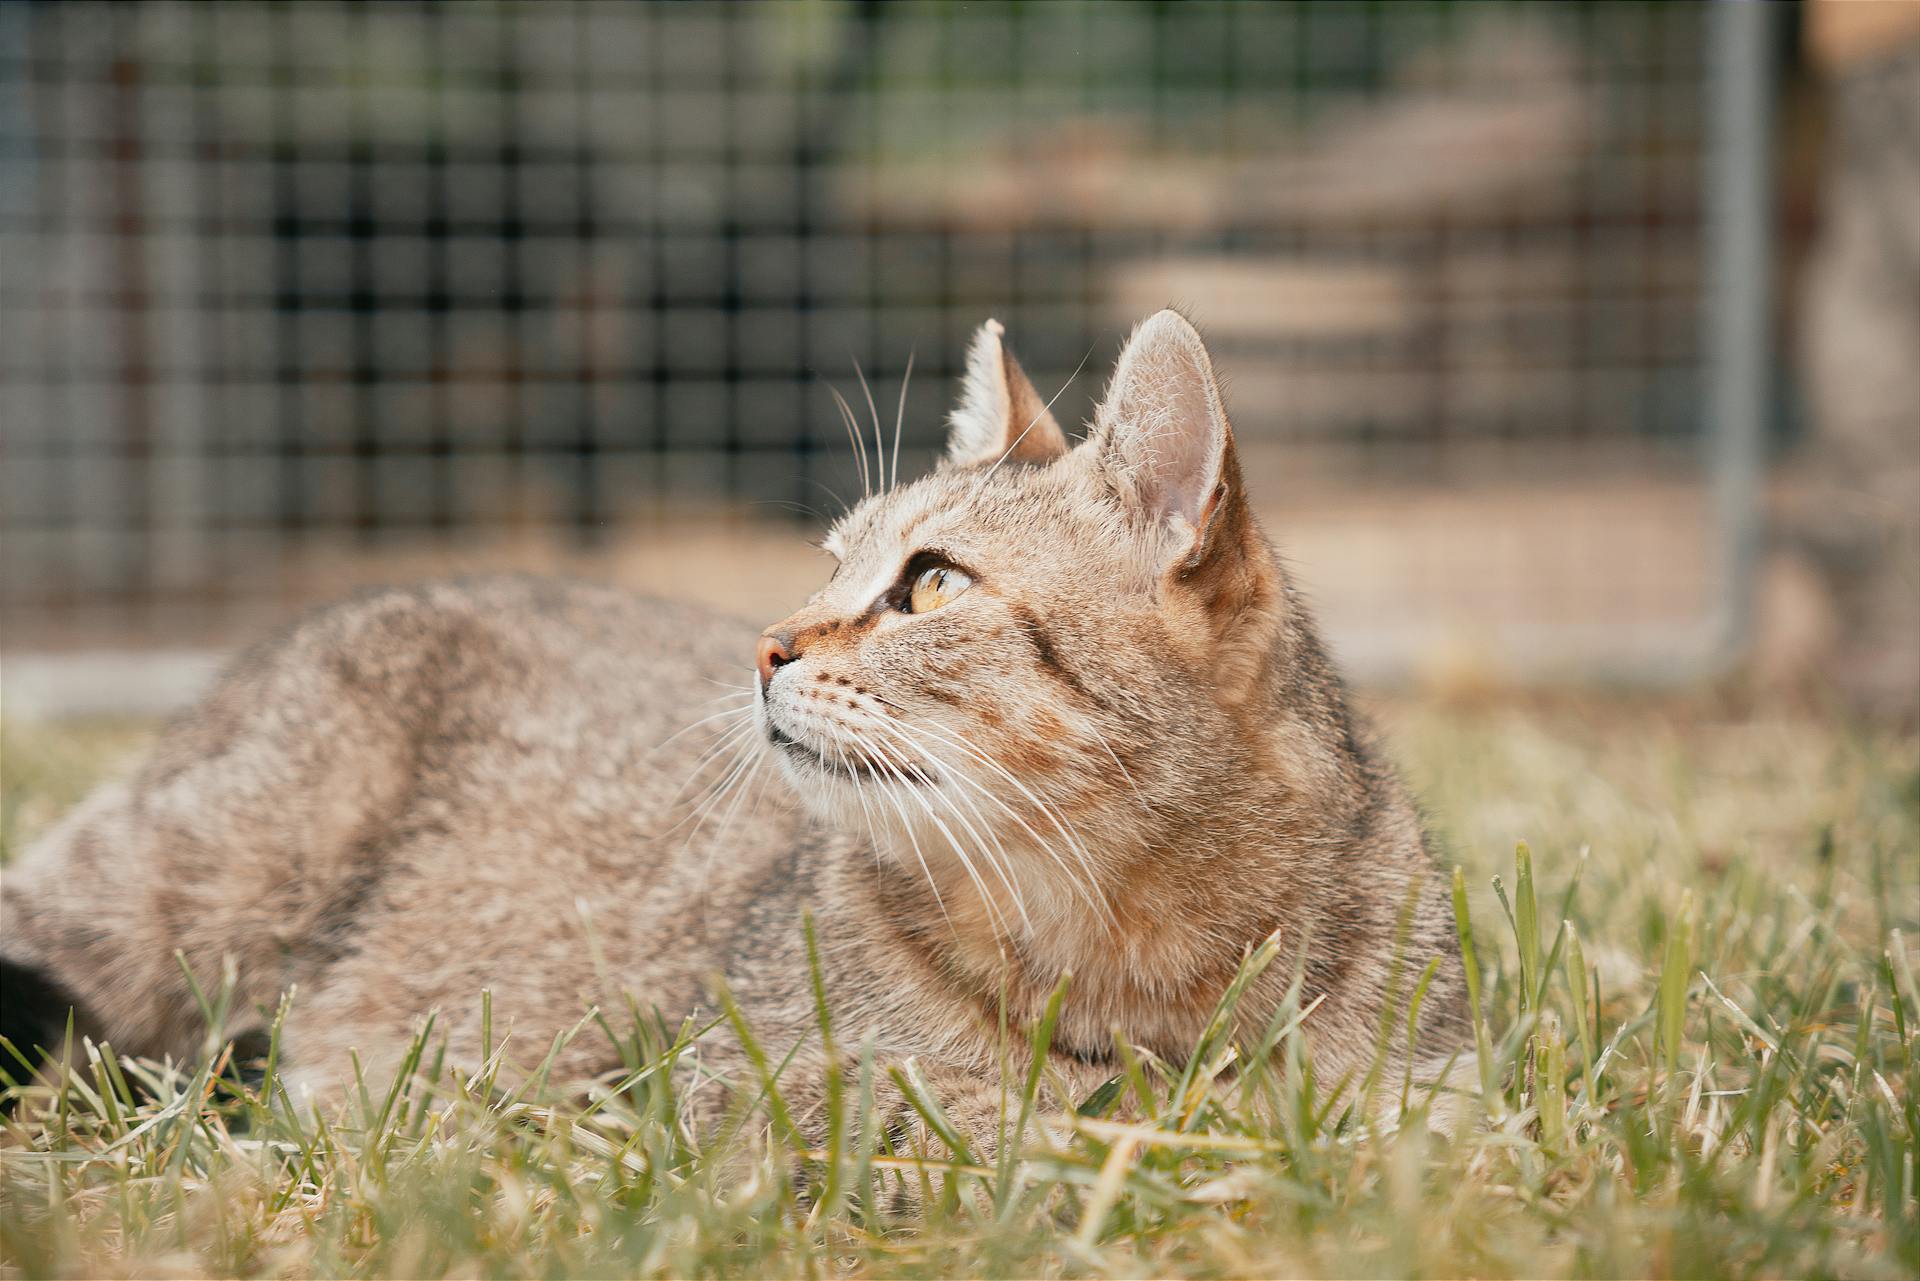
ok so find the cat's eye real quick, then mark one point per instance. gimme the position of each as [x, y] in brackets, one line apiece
[936, 585]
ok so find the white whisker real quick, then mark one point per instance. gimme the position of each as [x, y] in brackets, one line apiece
[992, 849]
[880, 462]
[899, 416]
[707, 720]
[926, 791]
[873, 836]
[1114, 757]
[725, 741]
[915, 788]
[745, 760]
[907, 826]
[1058, 820]
[741, 741]
[856, 438]
[1084, 888]
[832, 493]
[739, 795]
[1044, 411]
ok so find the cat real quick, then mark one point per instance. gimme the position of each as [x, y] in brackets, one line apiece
[1057, 711]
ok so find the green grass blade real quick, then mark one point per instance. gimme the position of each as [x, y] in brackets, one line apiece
[1526, 925]
[1463, 929]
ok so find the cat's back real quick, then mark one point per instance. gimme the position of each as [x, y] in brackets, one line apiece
[518, 701]
[365, 796]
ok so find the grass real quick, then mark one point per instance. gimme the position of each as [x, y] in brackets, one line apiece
[1696, 987]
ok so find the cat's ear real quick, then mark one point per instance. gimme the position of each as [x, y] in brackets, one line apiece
[1000, 414]
[1162, 440]
[1162, 435]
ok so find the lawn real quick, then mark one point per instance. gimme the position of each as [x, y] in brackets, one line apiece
[1710, 1070]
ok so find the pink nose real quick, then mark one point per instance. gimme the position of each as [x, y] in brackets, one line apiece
[772, 656]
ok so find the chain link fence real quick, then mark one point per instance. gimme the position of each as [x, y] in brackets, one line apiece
[305, 294]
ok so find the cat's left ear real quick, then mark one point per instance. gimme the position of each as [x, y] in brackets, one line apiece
[1162, 434]
[1162, 440]
[1000, 414]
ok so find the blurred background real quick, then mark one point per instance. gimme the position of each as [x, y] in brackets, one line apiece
[1565, 342]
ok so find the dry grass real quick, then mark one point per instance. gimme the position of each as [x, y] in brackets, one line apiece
[1712, 1072]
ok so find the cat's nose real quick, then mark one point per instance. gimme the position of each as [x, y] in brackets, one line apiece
[772, 657]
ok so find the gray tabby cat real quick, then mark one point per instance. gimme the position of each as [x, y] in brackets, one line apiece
[1057, 709]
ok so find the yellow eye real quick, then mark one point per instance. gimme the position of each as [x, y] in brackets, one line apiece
[936, 586]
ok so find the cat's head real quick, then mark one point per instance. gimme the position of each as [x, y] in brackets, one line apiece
[1040, 646]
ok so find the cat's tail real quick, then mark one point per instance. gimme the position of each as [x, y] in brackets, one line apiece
[36, 1012]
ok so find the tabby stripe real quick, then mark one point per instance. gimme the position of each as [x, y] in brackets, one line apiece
[1035, 632]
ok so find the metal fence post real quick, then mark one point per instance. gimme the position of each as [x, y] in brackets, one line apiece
[1738, 314]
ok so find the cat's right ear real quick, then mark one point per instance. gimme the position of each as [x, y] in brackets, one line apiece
[1000, 414]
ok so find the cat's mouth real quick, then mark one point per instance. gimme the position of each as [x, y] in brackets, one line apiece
[848, 765]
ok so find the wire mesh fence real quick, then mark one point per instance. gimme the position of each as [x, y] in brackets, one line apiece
[293, 295]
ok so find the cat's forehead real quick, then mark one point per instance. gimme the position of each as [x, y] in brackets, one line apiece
[955, 508]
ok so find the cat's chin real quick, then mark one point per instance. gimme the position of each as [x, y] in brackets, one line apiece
[805, 763]
[833, 798]
[841, 797]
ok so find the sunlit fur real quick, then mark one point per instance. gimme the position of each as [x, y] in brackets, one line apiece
[1120, 754]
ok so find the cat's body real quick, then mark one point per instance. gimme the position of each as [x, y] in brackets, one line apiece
[413, 796]
[1056, 711]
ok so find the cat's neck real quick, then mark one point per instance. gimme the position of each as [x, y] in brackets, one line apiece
[1151, 936]
[1167, 885]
